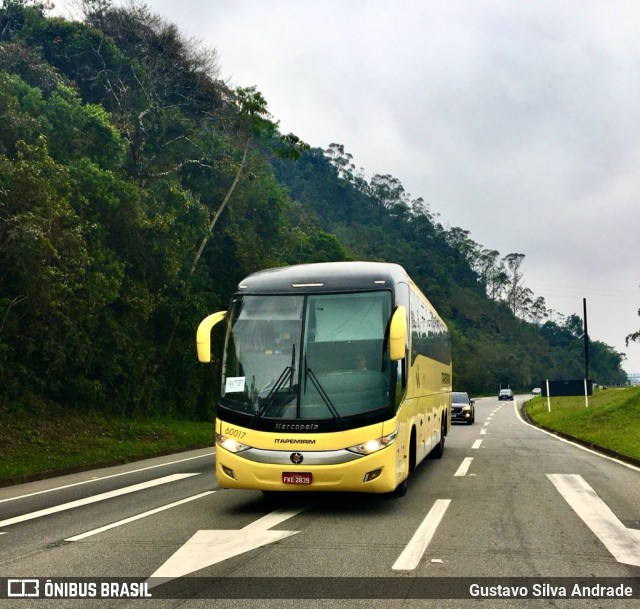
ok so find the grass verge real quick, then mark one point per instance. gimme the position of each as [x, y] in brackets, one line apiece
[611, 422]
[34, 447]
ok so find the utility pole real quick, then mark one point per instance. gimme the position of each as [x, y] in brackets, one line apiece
[586, 354]
[586, 341]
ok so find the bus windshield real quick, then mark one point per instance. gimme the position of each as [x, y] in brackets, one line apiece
[307, 357]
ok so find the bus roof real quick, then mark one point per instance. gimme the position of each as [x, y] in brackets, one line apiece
[324, 277]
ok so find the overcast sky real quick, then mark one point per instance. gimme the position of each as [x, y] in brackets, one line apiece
[516, 120]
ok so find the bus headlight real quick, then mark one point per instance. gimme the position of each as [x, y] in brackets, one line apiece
[372, 446]
[233, 446]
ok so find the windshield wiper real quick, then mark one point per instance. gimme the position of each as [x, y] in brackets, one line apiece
[286, 375]
[323, 395]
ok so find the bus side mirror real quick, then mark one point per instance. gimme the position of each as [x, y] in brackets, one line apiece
[203, 335]
[398, 334]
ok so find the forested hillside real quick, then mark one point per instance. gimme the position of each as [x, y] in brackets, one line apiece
[137, 189]
[501, 331]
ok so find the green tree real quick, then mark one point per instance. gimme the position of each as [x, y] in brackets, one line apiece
[514, 294]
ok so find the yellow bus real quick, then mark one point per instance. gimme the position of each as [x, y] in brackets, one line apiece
[335, 377]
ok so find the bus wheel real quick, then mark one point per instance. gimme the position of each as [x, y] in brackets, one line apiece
[401, 489]
[438, 451]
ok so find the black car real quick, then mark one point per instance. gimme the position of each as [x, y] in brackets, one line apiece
[462, 408]
[505, 394]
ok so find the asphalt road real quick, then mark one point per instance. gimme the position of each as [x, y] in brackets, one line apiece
[507, 505]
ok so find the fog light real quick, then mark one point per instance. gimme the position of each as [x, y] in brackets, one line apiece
[228, 471]
[369, 476]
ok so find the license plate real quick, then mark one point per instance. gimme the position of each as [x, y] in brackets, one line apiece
[296, 477]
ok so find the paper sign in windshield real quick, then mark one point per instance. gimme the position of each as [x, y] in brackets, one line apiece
[234, 384]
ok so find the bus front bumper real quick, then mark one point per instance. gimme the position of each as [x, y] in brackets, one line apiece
[308, 471]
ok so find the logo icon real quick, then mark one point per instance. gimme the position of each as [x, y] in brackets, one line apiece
[296, 458]
[22, 588]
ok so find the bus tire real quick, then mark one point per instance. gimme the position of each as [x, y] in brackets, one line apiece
[438, 451]
[401, 489]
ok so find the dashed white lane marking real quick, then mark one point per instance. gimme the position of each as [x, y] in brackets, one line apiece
[113, 525]
[476, 444]
[464, 467]
[94, 499]
[483, 432]
[622, 542]
[412, 554]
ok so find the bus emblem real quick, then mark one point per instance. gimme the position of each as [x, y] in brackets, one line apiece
[296, 458]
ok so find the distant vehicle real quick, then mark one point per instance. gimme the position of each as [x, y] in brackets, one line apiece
[462, 408]
[505, 394]
[536, 391]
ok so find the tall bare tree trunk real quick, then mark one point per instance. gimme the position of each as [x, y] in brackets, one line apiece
[220, 209]
[203, 244]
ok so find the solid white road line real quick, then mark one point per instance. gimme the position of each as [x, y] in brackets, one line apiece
[113, 525]
[274, 518]
[593, 452]
[133, 471]
[464, 467]
[476, 444]
[622, 542]
[93, 499]
[411, 555]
